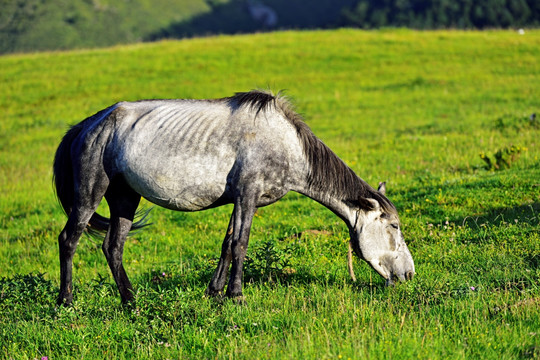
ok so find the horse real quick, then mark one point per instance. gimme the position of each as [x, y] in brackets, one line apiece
[249, 150]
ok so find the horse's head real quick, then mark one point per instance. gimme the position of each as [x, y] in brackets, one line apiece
[376, 237]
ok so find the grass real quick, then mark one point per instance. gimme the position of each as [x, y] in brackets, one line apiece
[413, 108]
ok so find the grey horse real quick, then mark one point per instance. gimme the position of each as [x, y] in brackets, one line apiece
[248, 150]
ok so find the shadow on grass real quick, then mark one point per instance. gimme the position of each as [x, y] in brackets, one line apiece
[520, 220]
[525, 214]
[201, 278]
[473, 197]
[201, 274]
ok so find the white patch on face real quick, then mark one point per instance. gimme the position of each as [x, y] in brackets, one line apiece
[382, 246]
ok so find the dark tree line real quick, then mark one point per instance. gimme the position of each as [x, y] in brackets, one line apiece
[435, 14]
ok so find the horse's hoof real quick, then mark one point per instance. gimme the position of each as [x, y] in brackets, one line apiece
[239, 300]
[213, 293]
[64, 301]
[128, 298]
[129, 304]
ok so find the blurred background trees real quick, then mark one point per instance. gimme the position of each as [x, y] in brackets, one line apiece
[436, 14]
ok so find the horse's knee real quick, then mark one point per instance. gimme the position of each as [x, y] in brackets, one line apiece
[105, 250]
[66, 245]
[69, 237]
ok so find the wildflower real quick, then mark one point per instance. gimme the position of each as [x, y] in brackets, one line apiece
[473, 288]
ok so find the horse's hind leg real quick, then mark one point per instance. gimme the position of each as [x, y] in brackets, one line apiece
[67, 243]
[220, 275]
[86, 200]
[123, 202]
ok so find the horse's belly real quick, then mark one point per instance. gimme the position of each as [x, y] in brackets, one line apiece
[187, 199]
[186, 185]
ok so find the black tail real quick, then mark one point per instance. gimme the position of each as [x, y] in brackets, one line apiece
[65, 187]
[63, 169]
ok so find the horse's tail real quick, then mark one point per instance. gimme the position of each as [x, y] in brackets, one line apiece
[65, 186]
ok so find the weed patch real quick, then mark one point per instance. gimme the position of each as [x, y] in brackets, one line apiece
[269, 261]
[509, 122]
[503, 158]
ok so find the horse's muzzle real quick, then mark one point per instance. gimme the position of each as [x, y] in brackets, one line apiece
[402, 277]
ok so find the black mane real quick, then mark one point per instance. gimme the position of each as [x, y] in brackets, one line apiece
[328, 172]
[256, 100]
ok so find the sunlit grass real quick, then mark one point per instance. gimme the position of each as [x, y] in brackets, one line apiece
[415, 109]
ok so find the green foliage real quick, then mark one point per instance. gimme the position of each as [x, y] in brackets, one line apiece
[268, 261]
[414, 108]
[21, 294]
[510, 122]
[502, 158]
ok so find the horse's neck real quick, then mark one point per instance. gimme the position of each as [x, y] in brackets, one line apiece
[330, 199]
[336, 205]
[328, 180]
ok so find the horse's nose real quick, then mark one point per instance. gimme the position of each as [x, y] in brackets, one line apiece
[409, 275]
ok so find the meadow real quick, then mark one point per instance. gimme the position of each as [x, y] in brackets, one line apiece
[415, 109]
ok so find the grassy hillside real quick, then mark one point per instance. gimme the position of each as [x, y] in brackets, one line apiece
[415, 109]
[36, 25]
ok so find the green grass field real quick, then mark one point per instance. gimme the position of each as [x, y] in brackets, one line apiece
[415, 109]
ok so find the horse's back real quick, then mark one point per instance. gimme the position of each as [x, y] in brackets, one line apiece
[192, 154]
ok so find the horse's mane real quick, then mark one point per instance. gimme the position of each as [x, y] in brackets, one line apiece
[327, 171]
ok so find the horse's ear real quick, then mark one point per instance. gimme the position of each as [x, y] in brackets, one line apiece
[368, 204]
[382, 188]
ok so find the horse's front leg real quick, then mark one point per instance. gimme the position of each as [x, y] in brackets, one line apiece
[217, 284]
[243, 218]
[123, 203]
[113, 248]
